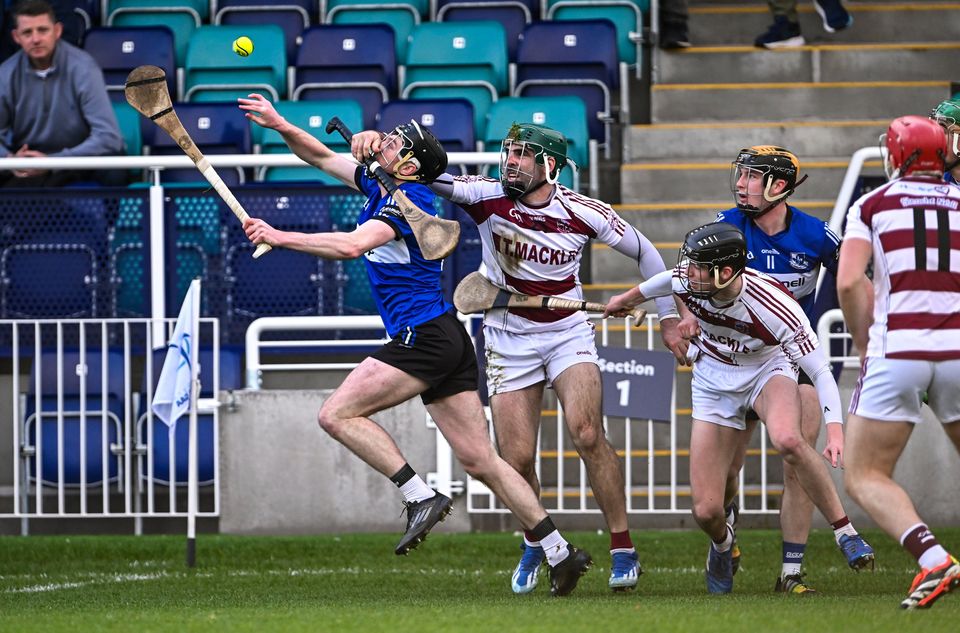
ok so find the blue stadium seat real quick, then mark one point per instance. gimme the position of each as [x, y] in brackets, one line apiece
[567, 115]
[293, 16]
[627, 15]
[60, 411]
[349, 61]
[311, 116]
[156, 445]
[119, 50]
[52, 260]
[402, 16]
[573, 58]
[458, 59]
[513, 15]
[450, 120]
[213, 72]
[216, 128]
[283, 283]
[182, 17]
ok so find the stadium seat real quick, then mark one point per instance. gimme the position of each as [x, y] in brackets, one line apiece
[118, 50]
[79, 413]
[216, 128]
[285, 283]
[349, 61]
[450, 120]
[513, 15]
[293, 16]
[213, 72]
[53, 259]
[402, 16]
[154, 449]
[458, 59]
[573, 58]
[129, 121]
[311, 116]
[182, 17]
[627, 15]
[567, 115]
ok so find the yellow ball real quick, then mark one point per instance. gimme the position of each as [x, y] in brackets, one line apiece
[243, 46]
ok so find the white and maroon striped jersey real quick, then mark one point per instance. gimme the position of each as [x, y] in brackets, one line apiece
[763, 321]
[535, 250]
[914, 226]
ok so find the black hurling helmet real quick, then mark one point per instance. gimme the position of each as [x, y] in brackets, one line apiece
[772, 163]
[540, 140]
[712, 246]
[417, 145]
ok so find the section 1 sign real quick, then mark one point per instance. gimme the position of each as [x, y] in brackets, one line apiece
[637, 383]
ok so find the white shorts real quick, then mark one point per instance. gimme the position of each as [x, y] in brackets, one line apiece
[515, 361]
[722, 394]
[893, 388]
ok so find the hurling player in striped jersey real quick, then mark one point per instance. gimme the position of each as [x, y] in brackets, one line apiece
[753, 337]
[905, 326]
[790, 246]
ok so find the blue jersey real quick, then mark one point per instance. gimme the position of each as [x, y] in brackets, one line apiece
[793, 256]
[405, 286]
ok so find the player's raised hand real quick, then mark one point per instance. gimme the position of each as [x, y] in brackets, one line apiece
[259, 110]
[365, 144]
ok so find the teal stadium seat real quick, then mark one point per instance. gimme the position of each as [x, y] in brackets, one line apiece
[564, 114]
[402, 16]
[213, 72]
[129, 121]
[627, 15]
[468, 60]
[183, 17]
[311, 116]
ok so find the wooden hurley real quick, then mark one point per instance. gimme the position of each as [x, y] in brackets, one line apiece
[146, 91]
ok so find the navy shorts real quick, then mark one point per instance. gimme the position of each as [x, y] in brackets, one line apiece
[438, 352]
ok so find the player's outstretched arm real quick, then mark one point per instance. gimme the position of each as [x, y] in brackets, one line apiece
[332, 245]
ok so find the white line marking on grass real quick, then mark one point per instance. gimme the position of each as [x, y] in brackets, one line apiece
[104, 579]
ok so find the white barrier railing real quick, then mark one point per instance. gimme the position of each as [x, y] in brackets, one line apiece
[652, 451]
[84, 443]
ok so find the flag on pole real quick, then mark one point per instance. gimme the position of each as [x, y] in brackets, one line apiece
[172, 398]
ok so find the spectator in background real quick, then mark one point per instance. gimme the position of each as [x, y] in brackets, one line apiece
[904, 326]
[674, 16]
[53, 102]
[785, 30]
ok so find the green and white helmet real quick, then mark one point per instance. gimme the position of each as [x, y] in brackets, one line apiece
[542, 142]
[947, 114]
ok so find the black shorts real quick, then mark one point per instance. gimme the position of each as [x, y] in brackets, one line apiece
[802, 379]
[438, 352]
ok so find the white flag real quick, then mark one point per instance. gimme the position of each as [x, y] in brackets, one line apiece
[172, 398]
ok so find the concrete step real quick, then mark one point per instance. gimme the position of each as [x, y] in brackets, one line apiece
[704, 181]
[917, 61]
[714, 24]
[699, 141]
[676, 103]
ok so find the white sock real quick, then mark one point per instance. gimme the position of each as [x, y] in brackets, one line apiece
[847, 529]
[790, 569]
[416, 490]
[727, 542]
[530, 543]
[933, 557]
[555, 547]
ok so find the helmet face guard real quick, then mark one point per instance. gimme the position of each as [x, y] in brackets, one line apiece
[538, 142]
[707, 250]
[766, 163]
[947, 115]
[410, 143]
[914, 144]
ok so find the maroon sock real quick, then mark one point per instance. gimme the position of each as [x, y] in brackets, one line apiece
[620, 540]
[919, 540]
[528, 534]
[839, 523]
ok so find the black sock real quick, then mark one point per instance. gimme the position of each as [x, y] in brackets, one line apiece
[403, 475]
[542, 529]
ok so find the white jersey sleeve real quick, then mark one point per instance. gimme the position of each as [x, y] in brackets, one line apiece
[660, 285]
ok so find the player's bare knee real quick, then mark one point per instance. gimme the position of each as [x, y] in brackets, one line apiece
[707, 511]
[586, 438]
[790, 446]
[329, 421]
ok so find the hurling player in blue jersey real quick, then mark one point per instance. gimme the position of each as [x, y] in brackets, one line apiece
[430, 354]
[947, 114]
[790, 246]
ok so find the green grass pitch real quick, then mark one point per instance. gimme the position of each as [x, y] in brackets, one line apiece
[451, 583]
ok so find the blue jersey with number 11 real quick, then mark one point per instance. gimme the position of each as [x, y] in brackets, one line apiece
[794, 256]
